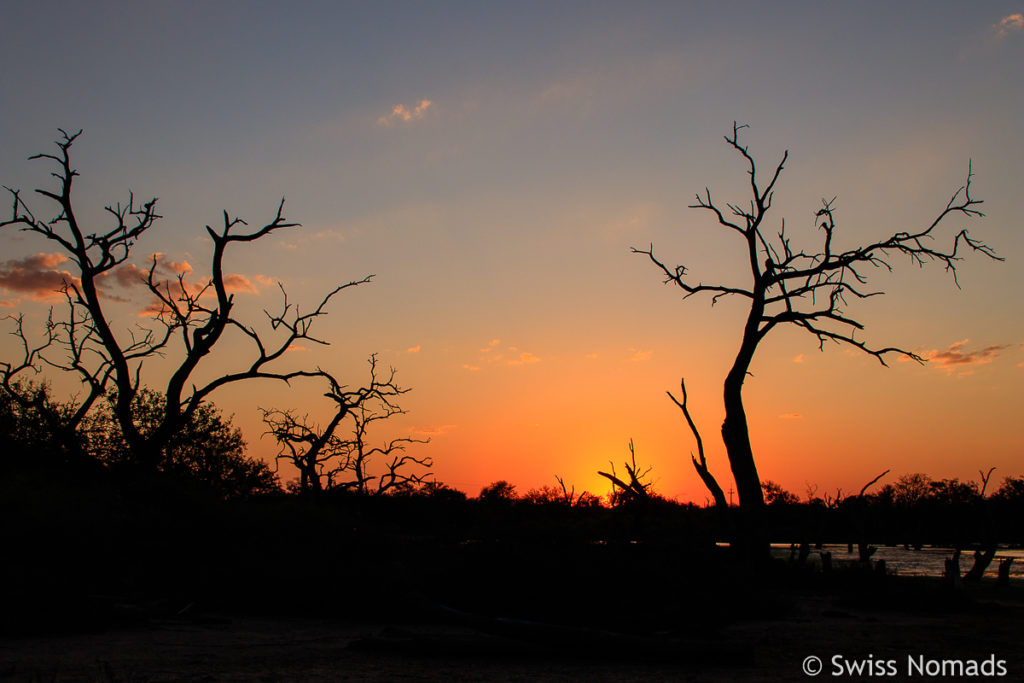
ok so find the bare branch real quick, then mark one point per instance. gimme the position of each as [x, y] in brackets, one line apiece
[636, 490]
[700, 465]
[678, 274]
[871, 483]
[985, 477]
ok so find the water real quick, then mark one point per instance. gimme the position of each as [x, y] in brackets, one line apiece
[928, 561]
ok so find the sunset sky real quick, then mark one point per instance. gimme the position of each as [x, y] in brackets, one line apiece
[493, 165]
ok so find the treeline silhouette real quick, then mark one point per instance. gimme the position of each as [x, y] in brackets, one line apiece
[91, 538]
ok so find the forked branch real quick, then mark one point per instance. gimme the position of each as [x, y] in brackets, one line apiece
[701, 464]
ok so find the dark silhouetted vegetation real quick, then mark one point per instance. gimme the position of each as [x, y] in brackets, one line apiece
[92, 541]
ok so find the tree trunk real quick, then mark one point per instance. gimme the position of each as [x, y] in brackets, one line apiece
[737, 445]
[982, 559]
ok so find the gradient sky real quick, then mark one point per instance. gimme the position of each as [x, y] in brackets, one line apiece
[493, 165]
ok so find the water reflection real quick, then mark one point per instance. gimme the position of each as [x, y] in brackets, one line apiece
[928, 561]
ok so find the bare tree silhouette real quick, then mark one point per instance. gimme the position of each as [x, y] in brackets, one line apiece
[191, 319]
[636, 490]
[62, 418]
[326, 460]
[807, 289]
[701, 464]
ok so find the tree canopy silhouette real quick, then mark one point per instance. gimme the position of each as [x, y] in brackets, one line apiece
[190, 320]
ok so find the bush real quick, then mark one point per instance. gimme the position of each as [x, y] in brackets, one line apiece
[207, 451]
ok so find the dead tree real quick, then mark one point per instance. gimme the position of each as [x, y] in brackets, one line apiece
[951, 572]
[859, 505]
[983, 556]
[192, 319]
[985, 477]
[400, 467]
[570, 498]
[327, 460]
[308, 447]
[1003, 578]
[700, 465]
[809, 289]
[636, 490]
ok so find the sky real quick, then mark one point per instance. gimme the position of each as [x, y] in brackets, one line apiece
[492, 164]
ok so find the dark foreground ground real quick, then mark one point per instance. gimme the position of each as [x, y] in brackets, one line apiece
[913, 619]
[150, 581]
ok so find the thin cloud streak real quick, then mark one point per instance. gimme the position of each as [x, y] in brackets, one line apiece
[957, 355]
[525, 358]
[640, 356]
[433, 431]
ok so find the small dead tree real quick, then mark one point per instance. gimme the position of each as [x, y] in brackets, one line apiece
[194, 317]
[313, 450]
[983, 556]
[636, 490]
[570, 498]
[400, 467]
[327, 460]
[808, 289]
[833, 502]
[985, 478]
[700, 465]
[860, 510]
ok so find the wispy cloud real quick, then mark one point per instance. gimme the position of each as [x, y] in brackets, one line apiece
[799, 358]
[330, 234]
[129, 275]
[402, 114]
[957, 355]
[413, 349]
[236, 282]
[433, 431]
[1008, 25]
[525, 358]
[640, 355]
[493, 355]
[36, 275]
[471, 368]
[180, 267]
